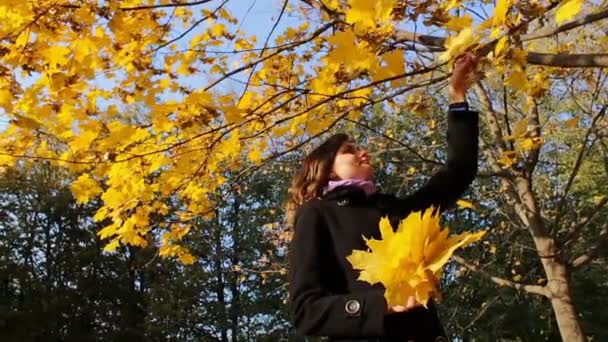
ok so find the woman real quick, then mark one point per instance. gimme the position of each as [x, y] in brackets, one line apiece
[333, 204]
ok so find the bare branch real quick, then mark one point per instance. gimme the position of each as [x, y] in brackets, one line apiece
[586, 220]
[532, 289]
[183, 34]
[346, 92]
[592, 60]
[491, 115]
[580, 21]
[593, 252]
[249, 65]
[179, 4]
[276, 23]
[577, 165]
[400, 143]
[534, 121]
[598, 60]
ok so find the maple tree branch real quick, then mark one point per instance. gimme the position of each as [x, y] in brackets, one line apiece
[345, 92]
[575, 231]
[480, 314]
[25, 156]
[276, 23]
[591, 60]
[577, 165]
[580, 21]
[533, 156]
[28, 25]
[491, 159]
[183, 34]
[248, 171]
[341, 116]
[601, 241]
[532, 289]
[491, 115]
[249, 65]
[400, 143]
[178, 4]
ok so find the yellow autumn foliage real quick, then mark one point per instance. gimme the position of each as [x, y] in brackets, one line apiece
[409, 261]
[143, 101]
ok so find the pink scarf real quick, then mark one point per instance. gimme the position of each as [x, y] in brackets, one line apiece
[368, 186]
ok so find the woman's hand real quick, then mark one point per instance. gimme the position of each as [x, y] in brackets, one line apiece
[463, 76]
[411, 304]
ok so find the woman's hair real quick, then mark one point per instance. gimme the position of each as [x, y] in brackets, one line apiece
[313, 176]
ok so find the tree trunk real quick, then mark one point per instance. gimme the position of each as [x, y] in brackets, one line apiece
[235, 307]
[558, 279]
[561, 300]
[220, 279]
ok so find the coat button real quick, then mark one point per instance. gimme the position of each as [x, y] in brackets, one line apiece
[352, 307]
[343, 202]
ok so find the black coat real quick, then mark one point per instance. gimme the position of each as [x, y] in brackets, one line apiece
[325, 297]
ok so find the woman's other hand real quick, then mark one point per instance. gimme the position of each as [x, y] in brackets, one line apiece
[411, 304]
[463, 76]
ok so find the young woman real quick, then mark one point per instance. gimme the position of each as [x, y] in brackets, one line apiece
[333, 203]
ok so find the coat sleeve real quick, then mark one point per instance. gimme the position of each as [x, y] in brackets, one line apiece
[316, 311]
[448, 184]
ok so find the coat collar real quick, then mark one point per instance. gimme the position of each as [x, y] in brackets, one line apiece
[351, 192]
[354, 194]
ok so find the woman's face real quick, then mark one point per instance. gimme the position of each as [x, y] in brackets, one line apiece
[351, 162]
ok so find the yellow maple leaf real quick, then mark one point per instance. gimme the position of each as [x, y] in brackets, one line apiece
[350, 53]
[112, 245]
[457, 45]
[501, 46]
[187, 258]
[408, 262]
[331, 4]
[452, 4]
[361, 13]
[507, 159]
[572, 123]
[394, 65]
[528, 144]
[464, 204]
[567, 10]
[459, 23]
[517, 78]
[56, 56]
[384, 10]
[85, 188]
[6, 100]
[500, 12]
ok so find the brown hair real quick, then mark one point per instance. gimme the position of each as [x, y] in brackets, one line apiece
[313, 176]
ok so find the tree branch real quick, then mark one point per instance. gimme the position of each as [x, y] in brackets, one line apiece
[533, 156]
[533, 289]
[580, 21]
[591, 60]
[598, 60]
[594, 251]
[491, 115]
[276, 23]
[588, 218]
[179, 4]
[183, 34]
[577, 165]
[249, 65]
[400, 143]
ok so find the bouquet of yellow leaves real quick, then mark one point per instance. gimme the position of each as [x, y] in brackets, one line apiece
[409, 261]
